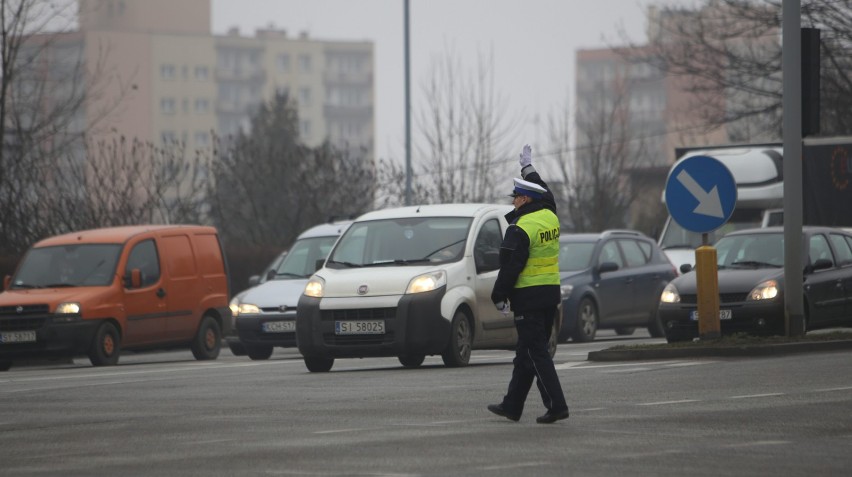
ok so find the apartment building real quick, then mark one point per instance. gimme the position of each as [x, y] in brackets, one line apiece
[167, 78]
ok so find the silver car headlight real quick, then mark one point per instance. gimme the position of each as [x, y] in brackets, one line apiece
[670, 294]
[427, 282]
[765, 291]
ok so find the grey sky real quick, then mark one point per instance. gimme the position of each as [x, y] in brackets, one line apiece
[533, 44]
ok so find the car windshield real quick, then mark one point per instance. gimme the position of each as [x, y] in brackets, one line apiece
[676, 236]
[68, 266]
[301, 260]
[401, 241]
[574, 256]
[761, 250]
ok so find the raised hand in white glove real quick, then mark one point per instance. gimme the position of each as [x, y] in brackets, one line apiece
[503, 307]
[526, 156]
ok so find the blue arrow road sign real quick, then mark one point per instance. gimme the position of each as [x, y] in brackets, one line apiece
[701, 194]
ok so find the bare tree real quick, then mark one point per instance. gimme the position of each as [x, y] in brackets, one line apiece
[465, 128]
[729, 54]
[603, 178]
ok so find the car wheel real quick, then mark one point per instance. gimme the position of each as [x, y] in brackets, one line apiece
[412, 361]
[457, 352]
[587, 321]
[106, 347]
[5, 365]
[237, 348]
[208, 340]
[319, 365]
[258, 353]
[625, 330]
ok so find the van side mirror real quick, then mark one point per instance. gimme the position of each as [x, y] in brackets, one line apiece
[319, 263]
[488, 261]
[685, 268]
[133, 279]
[607, 267]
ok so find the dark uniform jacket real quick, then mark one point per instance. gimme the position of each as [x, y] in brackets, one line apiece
[514, 252]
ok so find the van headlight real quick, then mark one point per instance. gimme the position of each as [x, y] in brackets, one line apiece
[670, 294]
[68, 308]
[566, 290]
[315, 287]
[427, 282]
[765, 291]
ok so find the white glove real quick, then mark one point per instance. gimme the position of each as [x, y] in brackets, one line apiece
[526, 156]
[503, 307]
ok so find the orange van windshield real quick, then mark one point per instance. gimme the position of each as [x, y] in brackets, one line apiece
[68, 266]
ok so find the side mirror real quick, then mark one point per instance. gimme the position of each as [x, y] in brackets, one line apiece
[7, 281]
[822, 264]
[255, 279]
[685, 268]
[319, 263]
[489, 261]
[607, 267]
[133, 279]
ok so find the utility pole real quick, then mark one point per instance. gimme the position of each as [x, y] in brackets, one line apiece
[407, 113]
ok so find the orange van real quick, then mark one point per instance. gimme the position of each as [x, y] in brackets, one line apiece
[99, 291]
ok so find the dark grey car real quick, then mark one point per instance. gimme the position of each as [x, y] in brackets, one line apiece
[612, 280]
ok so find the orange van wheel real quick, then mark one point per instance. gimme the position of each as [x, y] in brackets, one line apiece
[208, 339]
[106, 347]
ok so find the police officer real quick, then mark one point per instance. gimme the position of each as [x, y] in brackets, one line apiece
[528, 284]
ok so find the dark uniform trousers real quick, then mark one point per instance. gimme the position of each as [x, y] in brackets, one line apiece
[533, 361]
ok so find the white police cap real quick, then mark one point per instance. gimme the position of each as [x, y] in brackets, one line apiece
[527, 188]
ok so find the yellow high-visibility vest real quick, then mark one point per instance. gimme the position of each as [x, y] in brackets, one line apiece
[542, 228]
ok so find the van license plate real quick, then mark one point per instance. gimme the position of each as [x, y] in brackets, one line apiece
[723, 315]
[278, 326]
[359, 327]
[18, 337]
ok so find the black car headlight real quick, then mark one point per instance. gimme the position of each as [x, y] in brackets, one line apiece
[670, 294]
[764, 291]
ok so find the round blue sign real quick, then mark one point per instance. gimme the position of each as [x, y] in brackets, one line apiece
[701, 193]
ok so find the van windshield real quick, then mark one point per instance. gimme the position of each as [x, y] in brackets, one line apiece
[88, 265]
[402, 241]
[301, 260]
[675, 236]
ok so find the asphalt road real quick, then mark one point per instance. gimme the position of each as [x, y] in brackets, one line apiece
[166, 414]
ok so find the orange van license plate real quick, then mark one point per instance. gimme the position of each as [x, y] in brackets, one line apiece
[18, 337]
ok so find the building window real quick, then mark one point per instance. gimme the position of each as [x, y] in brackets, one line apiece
[202, 73]
[304, 96]
[168, 137]
[167, 106]
[305, 63]
[283, 63]
[202, 106]
[202, 139]
[167, 72]
[305, 128]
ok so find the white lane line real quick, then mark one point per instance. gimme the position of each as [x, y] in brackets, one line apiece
[340, 431]
[844, 388]
[579, 365]
[518, 465]
[631, 370]
[591, 409]
[571, 364]
[663, 403]
[750, 396]
[758, 443]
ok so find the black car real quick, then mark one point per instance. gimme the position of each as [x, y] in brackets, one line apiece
[611, 279]
[751, 284]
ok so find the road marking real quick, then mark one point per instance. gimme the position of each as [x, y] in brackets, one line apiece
[585, 365]
[750, 396]
[758, 443]
[845, 388]
[512, 466]
[340, 431]
[663, 403]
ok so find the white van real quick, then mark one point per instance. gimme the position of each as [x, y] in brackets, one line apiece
[409, 282]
